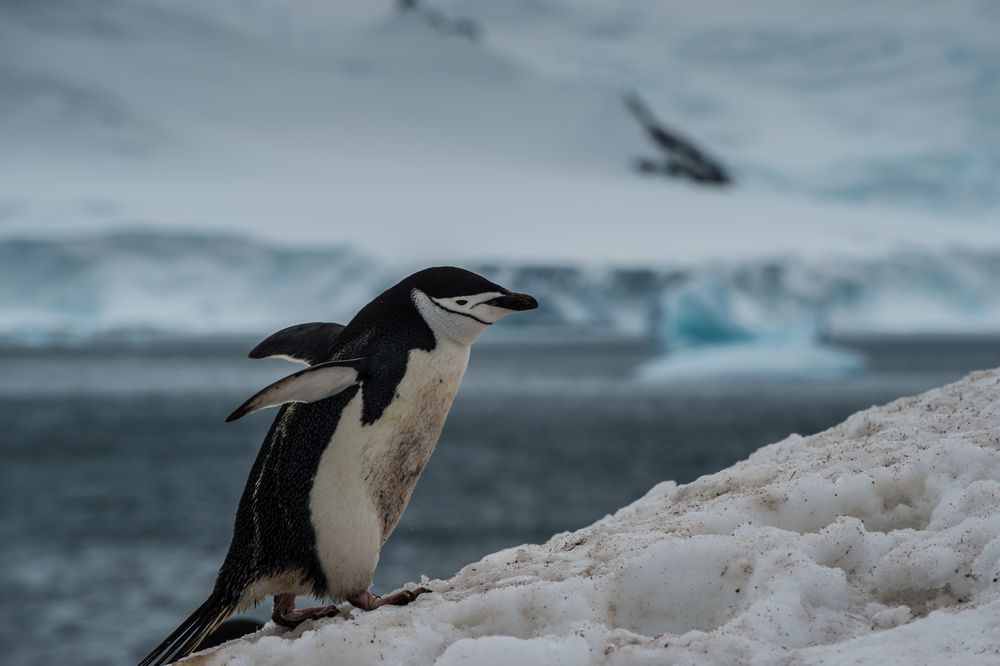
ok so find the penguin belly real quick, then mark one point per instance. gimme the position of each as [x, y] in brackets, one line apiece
[367, 473]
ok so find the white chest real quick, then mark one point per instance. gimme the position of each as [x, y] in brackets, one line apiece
[367, 472]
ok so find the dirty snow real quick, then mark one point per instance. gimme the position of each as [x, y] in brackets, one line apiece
[877, 541]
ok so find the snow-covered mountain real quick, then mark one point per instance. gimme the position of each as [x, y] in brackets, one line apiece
[892, 102]
[495, 136]
[394, 137]
[309, 122]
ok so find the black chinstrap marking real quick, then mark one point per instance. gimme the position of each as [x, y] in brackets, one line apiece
[464, 314]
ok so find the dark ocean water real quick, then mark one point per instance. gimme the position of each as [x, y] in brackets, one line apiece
[120, 479]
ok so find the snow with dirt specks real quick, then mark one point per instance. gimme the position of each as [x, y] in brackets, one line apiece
[877, 540]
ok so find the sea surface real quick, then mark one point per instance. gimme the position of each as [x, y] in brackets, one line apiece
[120, 479]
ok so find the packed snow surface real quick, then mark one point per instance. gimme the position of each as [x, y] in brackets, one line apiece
[876, 541]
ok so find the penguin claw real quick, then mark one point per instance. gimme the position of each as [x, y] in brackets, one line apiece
[403, 597]
[297, 617]
[367, 601]
[286, 615]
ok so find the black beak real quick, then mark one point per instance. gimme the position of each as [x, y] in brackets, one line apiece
[516, 302]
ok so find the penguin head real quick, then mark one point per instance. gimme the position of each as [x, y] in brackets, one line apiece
[458, 304]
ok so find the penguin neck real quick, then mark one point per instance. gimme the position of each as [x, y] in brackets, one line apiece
[447, 326]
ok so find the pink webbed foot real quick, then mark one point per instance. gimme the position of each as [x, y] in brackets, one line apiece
[367, 601]
[287, 615]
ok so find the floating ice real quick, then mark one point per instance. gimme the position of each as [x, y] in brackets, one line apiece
[775, 357]
[746, 322]
[774, 317]
[876, 541]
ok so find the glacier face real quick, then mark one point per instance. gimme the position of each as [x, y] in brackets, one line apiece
[902, 293]
[149, 283]
[142, 284]
[779, 317]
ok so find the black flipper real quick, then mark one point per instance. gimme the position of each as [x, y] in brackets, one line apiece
[314, 383]
[307, 343]
[187, 637]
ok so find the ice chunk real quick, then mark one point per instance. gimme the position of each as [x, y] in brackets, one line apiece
[767, 358]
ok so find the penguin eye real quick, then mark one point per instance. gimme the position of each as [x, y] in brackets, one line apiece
[461, 301]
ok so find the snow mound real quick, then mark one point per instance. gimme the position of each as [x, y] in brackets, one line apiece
[877, 540]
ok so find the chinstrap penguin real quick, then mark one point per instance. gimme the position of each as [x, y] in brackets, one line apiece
[340, 461]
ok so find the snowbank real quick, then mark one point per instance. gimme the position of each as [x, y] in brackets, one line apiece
[877, 540]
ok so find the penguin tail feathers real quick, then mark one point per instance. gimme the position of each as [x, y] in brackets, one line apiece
[187, 637]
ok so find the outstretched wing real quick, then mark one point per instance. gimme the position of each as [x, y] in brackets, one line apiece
[314, 383]
[309, 343]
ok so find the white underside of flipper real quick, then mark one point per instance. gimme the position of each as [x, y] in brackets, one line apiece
[314, 383]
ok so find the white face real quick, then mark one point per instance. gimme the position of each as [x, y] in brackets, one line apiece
[460, 318]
